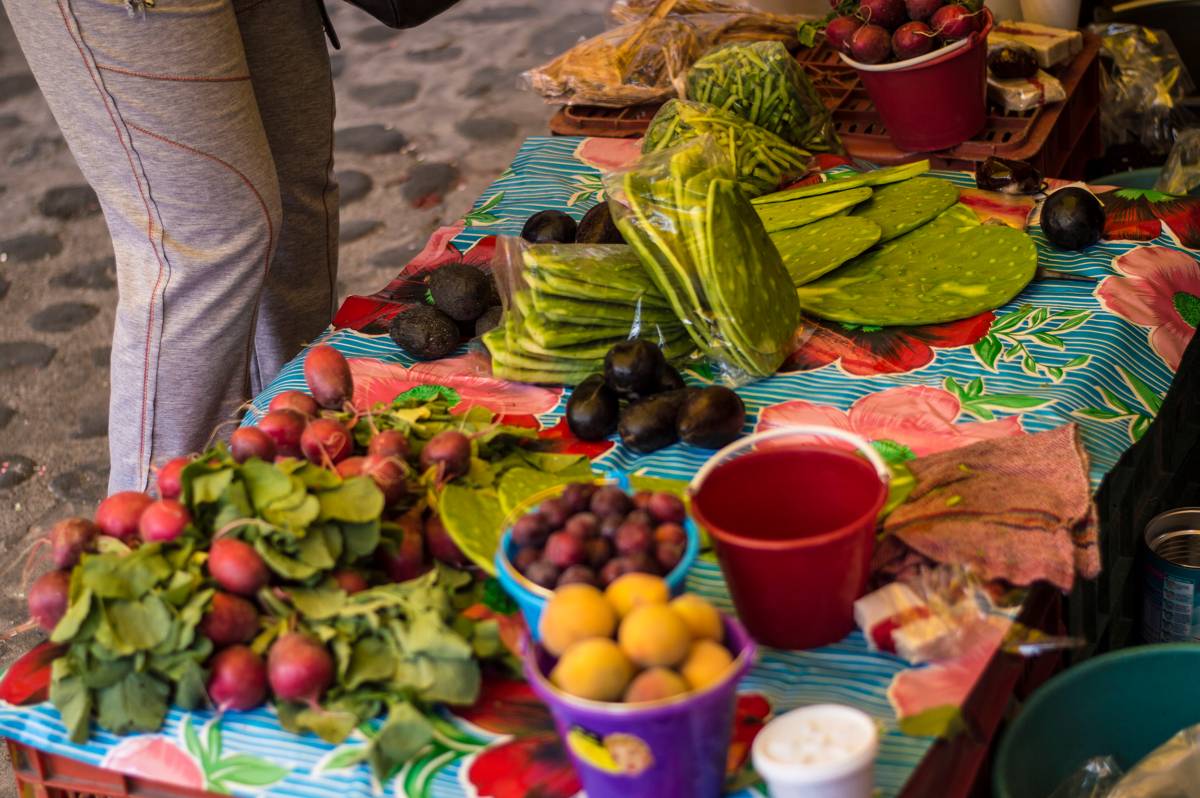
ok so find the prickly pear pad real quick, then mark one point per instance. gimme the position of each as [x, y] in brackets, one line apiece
[951, 268]
[816, 249]
[797, 213]
[901, 207]
[845, 180]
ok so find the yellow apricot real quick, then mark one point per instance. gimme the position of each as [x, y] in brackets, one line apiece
[594, 668]
[706, 664]
[635, 589]
[702, 618]
[654, 635]
[575, 612]
[655, 684]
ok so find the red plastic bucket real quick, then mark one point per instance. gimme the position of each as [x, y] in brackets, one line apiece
[934, 104]
[793, 524]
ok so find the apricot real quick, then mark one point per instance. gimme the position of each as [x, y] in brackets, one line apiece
[575, 612]
[706, 664]
[702, 618]
[634, 590]
[594, 668]
[655, 684]
[654, 635]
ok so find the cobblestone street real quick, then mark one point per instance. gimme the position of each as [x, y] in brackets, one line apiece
[426, 119]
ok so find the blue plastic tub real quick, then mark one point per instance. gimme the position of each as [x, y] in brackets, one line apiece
[532, 598]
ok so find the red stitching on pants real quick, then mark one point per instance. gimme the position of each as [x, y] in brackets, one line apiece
[262, 203]
[180, 78]
[149, 230]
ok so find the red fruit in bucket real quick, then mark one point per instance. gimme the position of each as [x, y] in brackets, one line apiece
[885, 13]
[911, 40]
[870, 44]
[953, 22]
[328, 376]
[921, 10]
[839, 30]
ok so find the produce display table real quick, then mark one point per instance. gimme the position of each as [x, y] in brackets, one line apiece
[1086, 350]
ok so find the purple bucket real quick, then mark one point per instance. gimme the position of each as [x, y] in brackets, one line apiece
[674, 748]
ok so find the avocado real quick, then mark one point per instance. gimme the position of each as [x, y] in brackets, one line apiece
[425, 332]
[461, 291]
[597, 227]
[1072, 218]
[549, 227]
[489, 320]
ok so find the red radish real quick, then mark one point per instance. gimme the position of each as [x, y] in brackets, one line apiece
[389, 443]
[350, 581]
[247, 442]
[911, 40]
[404, 560]
[953, 22]
[885, 13]
[230, 619]
[299, 668]
[328, 376]
[350, 467]
[163, 521]
[450, 451]
[69, 539]
[238, 680]
[236, 566]
[839, 30]
[921, 10]
[870, 44]
[117, 516]
[298, 401]
[388, 475]
[284, 427]
[170, 478]
[441, 545]
[326, 441]
[48, 598]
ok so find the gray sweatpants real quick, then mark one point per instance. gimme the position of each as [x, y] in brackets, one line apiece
[206, 129]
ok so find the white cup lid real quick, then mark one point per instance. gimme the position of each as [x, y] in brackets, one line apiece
[815, 744]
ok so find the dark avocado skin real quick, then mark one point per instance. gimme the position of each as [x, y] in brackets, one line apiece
[461, 291]
[711, 418]
[1072, 218]
[648, 425]
[593, 409]
[425, 332]
[597, 227]
[549, 227]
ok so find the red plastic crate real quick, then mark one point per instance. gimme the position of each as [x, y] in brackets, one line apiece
[1057, 139]
[42, 775]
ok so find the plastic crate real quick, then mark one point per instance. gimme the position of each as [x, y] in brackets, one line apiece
[42, 775]
[1057, 139]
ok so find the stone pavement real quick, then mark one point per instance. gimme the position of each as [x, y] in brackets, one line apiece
[426, 119]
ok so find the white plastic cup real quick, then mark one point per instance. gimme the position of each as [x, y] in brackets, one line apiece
[1055, 13]
[819, 751]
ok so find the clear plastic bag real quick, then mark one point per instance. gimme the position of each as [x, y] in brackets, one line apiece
[1170, 771]
[1094, 779]
[565, 305]
[716, 20]
[762, 160]
[1181, 173]
[1021, 94]
[1141, 93]
[707, 251]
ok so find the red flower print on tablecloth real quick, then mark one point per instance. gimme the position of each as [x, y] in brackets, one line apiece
[1159, 288]
[1134, 214]
[608, 154]
[156, 757]
[867, 351]
[921, 419]
[529, 761]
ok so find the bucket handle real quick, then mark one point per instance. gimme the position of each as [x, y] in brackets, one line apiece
[856, 441]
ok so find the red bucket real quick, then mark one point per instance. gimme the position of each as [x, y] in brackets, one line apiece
[793, 524]
[932, 104]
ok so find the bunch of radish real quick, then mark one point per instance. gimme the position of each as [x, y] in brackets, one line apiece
[299, 425]
[880, 30]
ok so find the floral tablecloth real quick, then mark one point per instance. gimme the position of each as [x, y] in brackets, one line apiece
[1094, 342]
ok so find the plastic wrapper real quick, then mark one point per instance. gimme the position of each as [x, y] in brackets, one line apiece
[1181, 174]
[764, 85]
[565, 305]
[1170, 771]
[1094, 779]
[708, 253]
[762, 161]
[1019, 94]
[1050, 46]
[1142, 89]
[718, 22]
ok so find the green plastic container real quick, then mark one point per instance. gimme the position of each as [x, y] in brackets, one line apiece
[1124, 704]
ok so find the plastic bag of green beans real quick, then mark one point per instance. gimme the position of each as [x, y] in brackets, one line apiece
[764, 85]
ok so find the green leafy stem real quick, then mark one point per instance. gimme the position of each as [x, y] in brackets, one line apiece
[222, 771]
[977, 402]
[1137, 415]
[1012, 336]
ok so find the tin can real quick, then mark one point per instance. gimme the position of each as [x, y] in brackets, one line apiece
[1171, 597]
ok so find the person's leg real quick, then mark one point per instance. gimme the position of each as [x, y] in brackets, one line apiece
[289, 68]
[159, 111]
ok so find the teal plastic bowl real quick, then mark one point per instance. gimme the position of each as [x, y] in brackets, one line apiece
[1124, 704]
